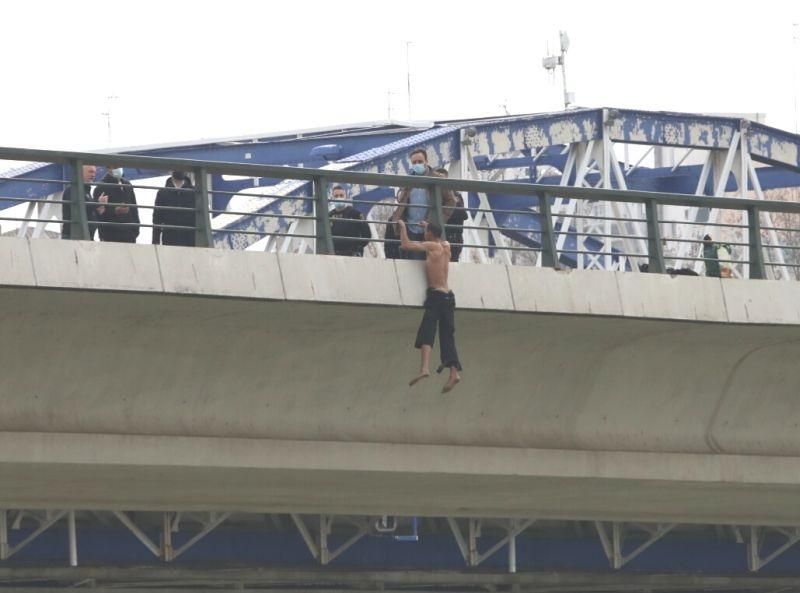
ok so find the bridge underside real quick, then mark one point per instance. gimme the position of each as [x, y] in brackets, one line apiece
[155, 402]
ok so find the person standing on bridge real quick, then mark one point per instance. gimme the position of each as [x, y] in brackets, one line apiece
[176, 194]
[350, 231]
[94, 209]
[417, 205]
[440, 304]
[122, 212]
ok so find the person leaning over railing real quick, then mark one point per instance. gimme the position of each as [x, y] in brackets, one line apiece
[350, 231]
[93, 208]
[415, 206]
[172, 196]
[119, 191]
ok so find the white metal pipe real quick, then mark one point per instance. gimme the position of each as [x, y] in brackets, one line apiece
[73, 539]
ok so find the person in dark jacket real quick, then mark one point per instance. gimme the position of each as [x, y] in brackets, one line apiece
[93, 208]
[350, 231]
[454, 232]
[120, 192]
[713, 253]
[173, 196]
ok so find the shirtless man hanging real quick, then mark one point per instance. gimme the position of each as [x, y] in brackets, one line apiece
[440, 304]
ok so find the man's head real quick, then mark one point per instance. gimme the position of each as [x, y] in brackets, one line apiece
[178, 178]
[419, 161]
[89, 173]
[442, 172]
[339, 197]
[433, 232]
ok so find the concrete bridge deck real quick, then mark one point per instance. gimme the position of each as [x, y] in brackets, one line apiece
[156, 378]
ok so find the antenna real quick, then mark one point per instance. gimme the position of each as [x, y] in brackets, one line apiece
[408, 77]
[107, 114]
[550, 63]
[389, 94]
[795, 47]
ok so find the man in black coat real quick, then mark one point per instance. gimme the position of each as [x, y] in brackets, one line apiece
[349, 229]
[93, 209]
[176, 193]
[120, 192]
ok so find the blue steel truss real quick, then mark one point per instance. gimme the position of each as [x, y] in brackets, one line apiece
[523, 142]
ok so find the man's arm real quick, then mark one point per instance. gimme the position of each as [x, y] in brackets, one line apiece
[402, 200]
[408, 245]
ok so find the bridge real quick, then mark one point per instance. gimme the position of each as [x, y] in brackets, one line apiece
[195, 417]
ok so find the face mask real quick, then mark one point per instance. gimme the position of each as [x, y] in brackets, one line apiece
[417, 168]
[341, 204]
[117, 172]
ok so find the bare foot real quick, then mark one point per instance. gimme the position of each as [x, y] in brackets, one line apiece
[451, 382]
[418, 378]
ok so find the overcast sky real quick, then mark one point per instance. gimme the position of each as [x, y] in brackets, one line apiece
[190, 70]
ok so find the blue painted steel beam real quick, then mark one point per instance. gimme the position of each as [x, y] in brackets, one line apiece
[774, 146]
[283, 152]
[237, 547]
[671, 129]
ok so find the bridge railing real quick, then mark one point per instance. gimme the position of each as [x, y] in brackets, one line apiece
[516, 223]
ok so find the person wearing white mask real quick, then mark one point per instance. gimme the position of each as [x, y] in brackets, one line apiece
[120, 220]
[350, 231]
[417, 205]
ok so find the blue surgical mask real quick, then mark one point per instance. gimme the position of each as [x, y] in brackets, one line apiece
[417, 168]
[341, 204]
[117, 172]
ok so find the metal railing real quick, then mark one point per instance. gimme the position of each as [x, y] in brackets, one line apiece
[633, 239]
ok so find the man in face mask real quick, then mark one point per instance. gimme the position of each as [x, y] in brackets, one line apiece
[418, 205]
[178, 192]
[120, 220]
[350, 231]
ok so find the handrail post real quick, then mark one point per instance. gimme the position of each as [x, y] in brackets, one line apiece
[78, 222]
[202, 214]
[757, 271]
[549, 253]
[324, 236]
[437, 202]
[654, 250]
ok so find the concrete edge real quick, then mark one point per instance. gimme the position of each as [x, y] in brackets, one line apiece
[498, 288]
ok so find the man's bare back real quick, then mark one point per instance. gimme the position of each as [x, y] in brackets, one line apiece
[437, 264]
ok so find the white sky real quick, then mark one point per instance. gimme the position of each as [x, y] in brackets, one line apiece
[190, 70]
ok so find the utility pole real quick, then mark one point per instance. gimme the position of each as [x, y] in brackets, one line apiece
[550, 63]
[408, 77]
[107, 115]
[795, 60]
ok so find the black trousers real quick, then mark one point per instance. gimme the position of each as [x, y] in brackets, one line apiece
[440, 309]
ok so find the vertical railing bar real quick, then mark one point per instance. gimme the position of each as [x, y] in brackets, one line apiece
[78, 223]
[757, 271]
[655, 251]
[437, 202]
[322, 218]
[203, 237]
[549, 255]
